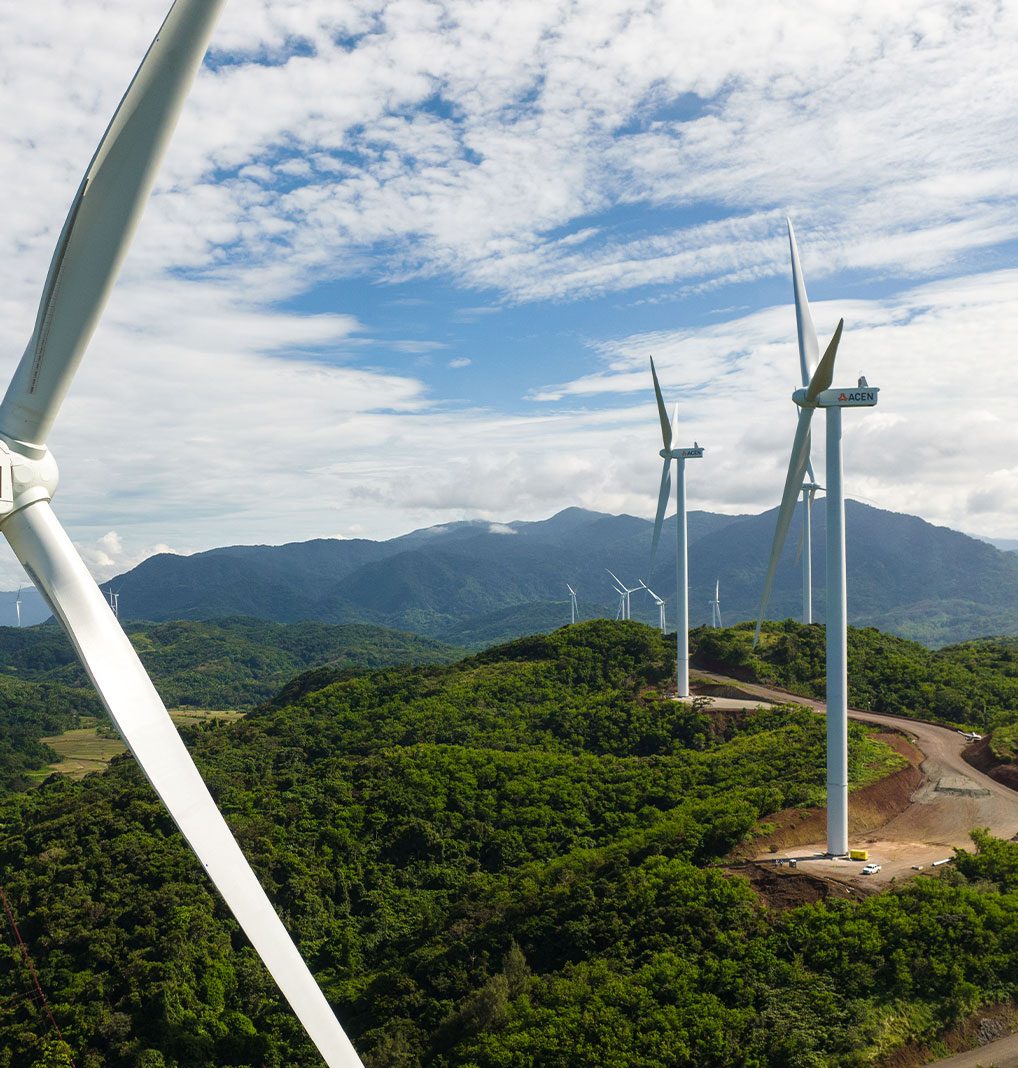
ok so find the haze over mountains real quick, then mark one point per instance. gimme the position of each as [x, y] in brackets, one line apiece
[474, 583]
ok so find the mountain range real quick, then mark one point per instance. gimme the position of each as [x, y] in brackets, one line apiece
[474, 583]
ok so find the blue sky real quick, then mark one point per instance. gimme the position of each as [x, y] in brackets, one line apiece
[405, 262]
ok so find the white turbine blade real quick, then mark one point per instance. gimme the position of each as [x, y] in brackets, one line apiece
[570, 589]
[809, 347]
[666, 427]
[824, 374]
[789, 498]
[615, 577]
[662, 505]
[56, 569]
[103, 218]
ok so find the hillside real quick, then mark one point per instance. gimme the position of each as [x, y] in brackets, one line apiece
[225, 663]
[475, 583]
[972, 684]
[508, 860]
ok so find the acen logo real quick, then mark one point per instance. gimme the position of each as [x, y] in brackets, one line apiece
[842, 397]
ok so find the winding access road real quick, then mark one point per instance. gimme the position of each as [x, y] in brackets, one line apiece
[952, 799]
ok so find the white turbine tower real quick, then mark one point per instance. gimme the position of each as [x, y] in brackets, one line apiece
[818, 394]
[92, 245]
[680, 456]
[17, 604]
[715, 606]
[572, 603]
[805, 550]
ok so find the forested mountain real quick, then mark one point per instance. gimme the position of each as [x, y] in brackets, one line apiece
[511, 860]
[475, 583]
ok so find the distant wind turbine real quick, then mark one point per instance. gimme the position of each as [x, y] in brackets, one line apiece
[818, 394]
[680, 456]
[625, 591]
[715, 606]
[17, 604]
[805, 549]
[660, 605]
[572, 603]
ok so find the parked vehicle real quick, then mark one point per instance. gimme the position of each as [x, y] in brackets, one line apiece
[871, 869]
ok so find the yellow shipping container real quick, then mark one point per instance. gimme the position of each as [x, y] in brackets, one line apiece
[858, 854]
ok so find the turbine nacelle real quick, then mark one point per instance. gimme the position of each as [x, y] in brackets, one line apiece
[861, 396]
[28, 473]
[695, 452]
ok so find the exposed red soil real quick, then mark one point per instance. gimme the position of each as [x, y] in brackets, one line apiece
[980, 756]
[869, 808]
[786, 888]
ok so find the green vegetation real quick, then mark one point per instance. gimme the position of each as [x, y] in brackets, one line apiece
[80, 751]
[974, 684]
[229, 664]
[29, 712]
[226, 663]
[509, 861]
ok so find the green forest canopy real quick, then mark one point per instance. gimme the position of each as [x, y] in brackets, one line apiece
[509, 861]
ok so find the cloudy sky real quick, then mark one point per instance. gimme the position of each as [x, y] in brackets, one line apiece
[406, 262]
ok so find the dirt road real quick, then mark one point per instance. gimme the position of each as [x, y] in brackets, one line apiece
[952, 800]
[1000, 1054]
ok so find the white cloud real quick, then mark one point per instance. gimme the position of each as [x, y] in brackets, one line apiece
[487, 146]
[460, 361]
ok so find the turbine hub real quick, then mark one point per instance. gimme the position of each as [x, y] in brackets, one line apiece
[28, 473]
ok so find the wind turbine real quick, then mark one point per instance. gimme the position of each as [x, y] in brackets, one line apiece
[572, 603]
[92, 245]
[680, 456]
[660, 605]
[17, 604]
[715, 606]
[818, 394]
[625, 591]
